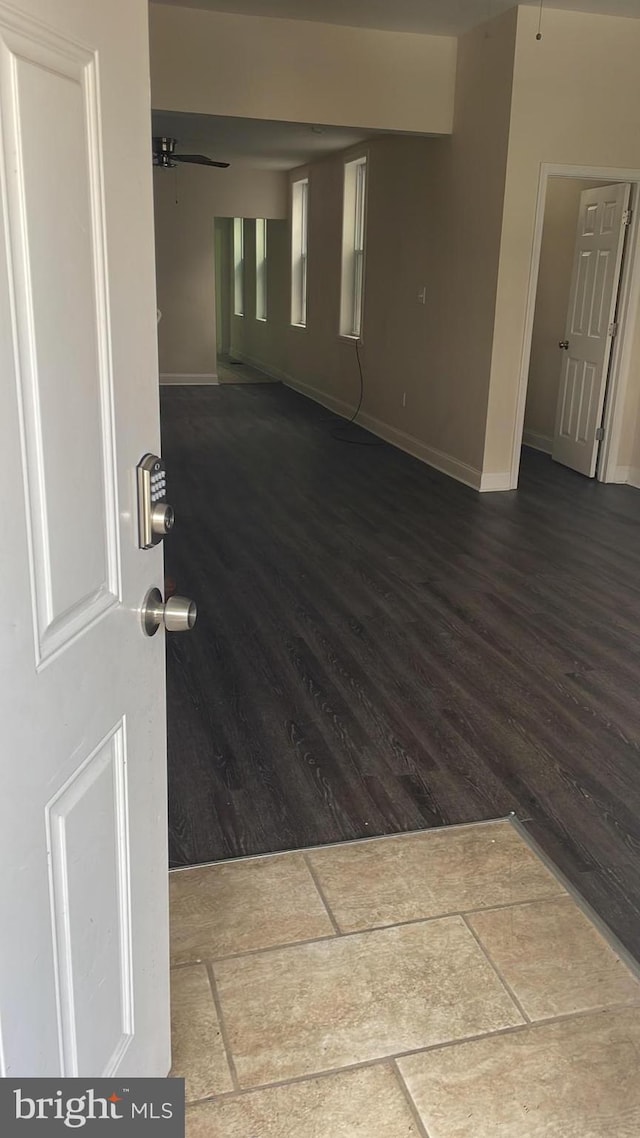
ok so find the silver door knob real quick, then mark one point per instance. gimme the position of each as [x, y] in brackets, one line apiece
[564, 344]
[178, 614]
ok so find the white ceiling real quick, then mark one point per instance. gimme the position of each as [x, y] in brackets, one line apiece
[254, 142]
[438, 17]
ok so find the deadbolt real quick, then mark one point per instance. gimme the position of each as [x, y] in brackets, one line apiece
[564, 344]
[162, 519]
[178, 614]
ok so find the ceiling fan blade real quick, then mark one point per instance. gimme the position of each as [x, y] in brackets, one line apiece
[199, 160]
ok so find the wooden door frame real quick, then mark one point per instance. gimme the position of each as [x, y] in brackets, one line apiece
[608, 468]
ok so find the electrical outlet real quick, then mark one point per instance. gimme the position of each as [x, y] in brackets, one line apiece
[422, 295]
[404, 399]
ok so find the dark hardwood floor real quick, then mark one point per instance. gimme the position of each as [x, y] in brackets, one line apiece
[380, 649]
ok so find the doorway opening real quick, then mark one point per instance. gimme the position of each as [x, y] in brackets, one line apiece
[584, 288]
[222, 256]
[251, 290]
[357, 668]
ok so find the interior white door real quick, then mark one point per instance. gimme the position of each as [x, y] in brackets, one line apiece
[588, 332]
[83, 874]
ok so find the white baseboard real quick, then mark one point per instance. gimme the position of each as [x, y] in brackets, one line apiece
[266, 369]
[443, 462]
[431, 456]
[490, 483]
[168, 379]
[537, 441]
[621, 474]
[446, 463]
[625, 476]
[331, 402]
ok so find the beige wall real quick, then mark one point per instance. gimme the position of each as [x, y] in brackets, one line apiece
[467, 174]
[455, 214]
[552, 301]
[433, 219]
[185, 254]
[300, 71]
[575, 101]
[313, 357]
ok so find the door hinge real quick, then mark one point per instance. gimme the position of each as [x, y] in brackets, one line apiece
[626, 217]
[613, 328]
[599, 434]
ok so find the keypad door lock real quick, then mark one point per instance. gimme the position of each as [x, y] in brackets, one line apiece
[155, 515]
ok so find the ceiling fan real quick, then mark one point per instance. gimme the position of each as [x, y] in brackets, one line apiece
[164, 154]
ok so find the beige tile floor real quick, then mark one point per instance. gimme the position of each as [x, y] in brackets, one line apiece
[436, 985]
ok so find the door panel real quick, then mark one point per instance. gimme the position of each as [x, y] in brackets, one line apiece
[599, 311]
[72, 519]
[88, 840]
[579, 309]
[83, 892]
[592, 304]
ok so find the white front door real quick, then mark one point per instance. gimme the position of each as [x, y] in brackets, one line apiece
[589, 327]
[83, 871]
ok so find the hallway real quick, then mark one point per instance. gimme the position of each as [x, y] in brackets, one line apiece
[381, 649]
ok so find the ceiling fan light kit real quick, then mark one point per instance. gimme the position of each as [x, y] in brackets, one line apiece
[164, 155]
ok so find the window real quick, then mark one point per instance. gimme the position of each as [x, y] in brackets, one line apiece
[261, 268]
[238, 266]
[353, 239]
[299, 226]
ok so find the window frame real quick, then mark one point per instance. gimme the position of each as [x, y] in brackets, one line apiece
[299, 252]
[261, 297]
[238, 267]
[354, 239]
